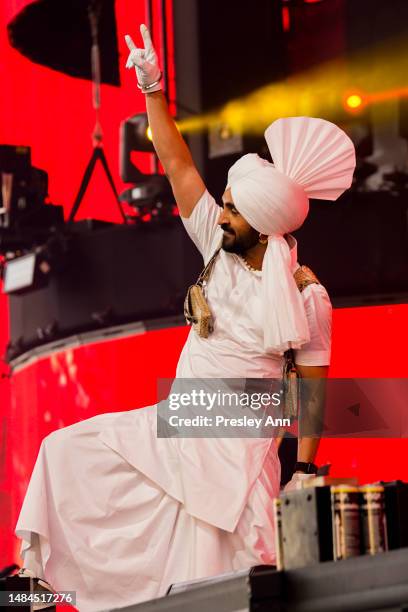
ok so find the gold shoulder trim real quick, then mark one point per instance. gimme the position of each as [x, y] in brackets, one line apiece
[304, 276]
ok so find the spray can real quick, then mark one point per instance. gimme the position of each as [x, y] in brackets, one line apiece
[373, 519]
[345, 521]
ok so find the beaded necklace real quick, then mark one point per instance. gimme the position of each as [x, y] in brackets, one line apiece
[247, 265]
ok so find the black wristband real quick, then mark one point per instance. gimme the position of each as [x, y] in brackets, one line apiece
[307, 468]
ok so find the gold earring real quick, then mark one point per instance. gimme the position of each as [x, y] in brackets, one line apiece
[265, 241]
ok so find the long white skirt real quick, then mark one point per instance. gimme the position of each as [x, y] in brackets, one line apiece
[117, 515]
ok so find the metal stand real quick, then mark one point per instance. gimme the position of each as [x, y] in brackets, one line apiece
[98, 154]
[94, 9]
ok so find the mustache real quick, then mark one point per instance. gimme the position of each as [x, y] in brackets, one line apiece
[227, 229]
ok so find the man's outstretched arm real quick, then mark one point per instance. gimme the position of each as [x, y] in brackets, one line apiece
[174, 155]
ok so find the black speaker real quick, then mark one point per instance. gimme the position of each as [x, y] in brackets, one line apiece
[357, 247]
[111, 275]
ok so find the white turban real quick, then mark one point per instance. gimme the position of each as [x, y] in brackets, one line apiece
[312, 158]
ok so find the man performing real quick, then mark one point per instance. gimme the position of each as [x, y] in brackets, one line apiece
[117, 514]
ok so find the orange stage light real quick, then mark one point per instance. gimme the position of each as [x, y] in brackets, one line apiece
[353, 101]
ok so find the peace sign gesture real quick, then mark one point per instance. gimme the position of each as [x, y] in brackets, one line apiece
[145, 61]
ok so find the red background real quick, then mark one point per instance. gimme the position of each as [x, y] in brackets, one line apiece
[52, 113]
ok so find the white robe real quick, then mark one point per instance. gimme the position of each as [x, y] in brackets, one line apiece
[117, 514]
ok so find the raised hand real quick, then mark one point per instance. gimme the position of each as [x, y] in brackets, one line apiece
[145, 61]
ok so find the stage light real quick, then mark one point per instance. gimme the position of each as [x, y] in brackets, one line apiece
[222, 140]
[285, 19]
[133, 136]
[225, 132]
[151, 195]
[354, 101]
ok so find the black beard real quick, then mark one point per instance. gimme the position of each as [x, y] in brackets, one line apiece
[234, 246]
[238, 245]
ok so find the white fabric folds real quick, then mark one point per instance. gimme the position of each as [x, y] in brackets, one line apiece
[118, 515]
[312, 158]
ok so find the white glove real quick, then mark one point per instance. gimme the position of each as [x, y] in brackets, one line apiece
[145, 61]
[296, 482]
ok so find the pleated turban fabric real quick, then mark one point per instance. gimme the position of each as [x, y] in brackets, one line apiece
[312, 158]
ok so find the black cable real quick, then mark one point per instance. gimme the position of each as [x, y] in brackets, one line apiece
[163, 10]
[149, 17]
